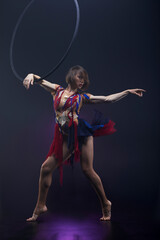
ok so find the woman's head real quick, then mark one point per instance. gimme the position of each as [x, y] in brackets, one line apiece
[77, 77]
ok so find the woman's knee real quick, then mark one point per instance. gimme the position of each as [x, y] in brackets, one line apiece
[91, 174]
[88, 171]
[49, 165]
[45, 170]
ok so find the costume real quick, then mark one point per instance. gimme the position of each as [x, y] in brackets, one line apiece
[68, 123]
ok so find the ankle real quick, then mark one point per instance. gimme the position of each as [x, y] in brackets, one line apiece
[40, 205]
[106, 203]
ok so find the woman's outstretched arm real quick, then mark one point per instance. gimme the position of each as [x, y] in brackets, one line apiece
[116, 97]
[29, 80]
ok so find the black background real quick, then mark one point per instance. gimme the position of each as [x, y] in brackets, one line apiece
[118, 44]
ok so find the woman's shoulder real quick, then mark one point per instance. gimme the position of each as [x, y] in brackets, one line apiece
[56, 88]
[86, 97]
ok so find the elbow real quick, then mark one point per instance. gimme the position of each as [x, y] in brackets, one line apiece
[113, 101]
[108, 100]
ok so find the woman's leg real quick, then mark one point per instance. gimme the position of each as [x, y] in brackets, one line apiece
[45, 181]
[87, 167]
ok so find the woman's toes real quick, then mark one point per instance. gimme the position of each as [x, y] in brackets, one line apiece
[31, 219]
[36, 213]
[105, 218]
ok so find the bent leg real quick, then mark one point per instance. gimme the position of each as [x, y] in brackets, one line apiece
[87, 167]
[45, 180]
[46, 172]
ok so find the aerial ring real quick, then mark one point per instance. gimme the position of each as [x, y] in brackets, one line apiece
[63, 57]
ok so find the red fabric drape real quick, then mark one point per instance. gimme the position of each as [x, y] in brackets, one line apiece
[107, 129]
[56, 148]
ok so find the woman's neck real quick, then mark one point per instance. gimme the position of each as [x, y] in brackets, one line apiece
[71, 89]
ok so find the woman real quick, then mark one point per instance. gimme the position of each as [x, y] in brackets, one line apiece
[73, 137]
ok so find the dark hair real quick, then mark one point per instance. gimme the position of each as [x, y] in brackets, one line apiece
[70, 77]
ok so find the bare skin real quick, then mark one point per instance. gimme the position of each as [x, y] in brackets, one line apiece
[45, 181]
[51, 162]
[87, 167]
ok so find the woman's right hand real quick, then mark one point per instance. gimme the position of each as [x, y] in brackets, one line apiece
[29, 79]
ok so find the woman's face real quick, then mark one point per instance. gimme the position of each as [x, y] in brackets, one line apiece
[79, 80]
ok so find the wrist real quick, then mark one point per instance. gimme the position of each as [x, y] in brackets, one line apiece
[127, 91]
[37, 77]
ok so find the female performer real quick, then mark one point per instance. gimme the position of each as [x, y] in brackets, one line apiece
[73, 136]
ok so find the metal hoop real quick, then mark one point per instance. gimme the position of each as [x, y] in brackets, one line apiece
[63, 57]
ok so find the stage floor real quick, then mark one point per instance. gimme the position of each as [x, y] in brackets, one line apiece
[79, 227]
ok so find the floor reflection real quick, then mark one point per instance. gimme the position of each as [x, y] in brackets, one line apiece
[78, 227]
[67, 228]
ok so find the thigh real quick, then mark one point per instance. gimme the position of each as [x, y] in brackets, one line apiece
[87, 153]
[52, 162]
[66, 152]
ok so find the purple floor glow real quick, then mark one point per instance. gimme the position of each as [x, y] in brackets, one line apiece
[86, 226]
[63, 228]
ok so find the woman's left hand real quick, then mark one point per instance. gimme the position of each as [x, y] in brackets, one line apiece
[137, 91]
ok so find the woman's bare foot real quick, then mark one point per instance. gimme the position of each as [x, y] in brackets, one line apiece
[106, 211]
[36, 213]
